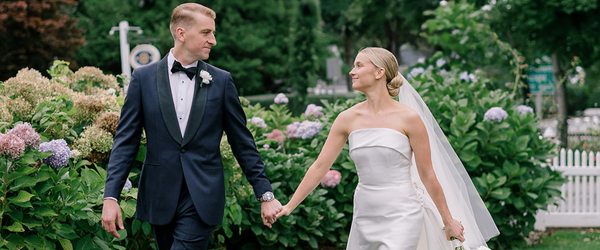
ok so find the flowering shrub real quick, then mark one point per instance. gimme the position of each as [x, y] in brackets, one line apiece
[94, 143]
[61, 155]
[331, 179]
[495, 114]
[313, 110]
[11, 146]
[524, 109]
[90, 80]
[508, 176]
[27, 134]
[277, 135]
[308, 129]
[281, 99]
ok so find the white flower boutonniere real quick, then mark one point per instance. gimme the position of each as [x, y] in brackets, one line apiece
[206, 77]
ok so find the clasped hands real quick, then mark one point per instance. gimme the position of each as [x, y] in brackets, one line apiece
[111, 212]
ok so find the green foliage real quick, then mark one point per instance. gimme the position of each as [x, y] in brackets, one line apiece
[267, 45]
[509, 177]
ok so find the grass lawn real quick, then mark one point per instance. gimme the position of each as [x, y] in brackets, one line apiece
[581, 239]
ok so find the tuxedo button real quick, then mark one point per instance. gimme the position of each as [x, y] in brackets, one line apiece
[183, 151]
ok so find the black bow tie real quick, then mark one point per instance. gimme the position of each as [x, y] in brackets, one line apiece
[190, 72]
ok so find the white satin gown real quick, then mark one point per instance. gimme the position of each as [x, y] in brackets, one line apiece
[389, 212]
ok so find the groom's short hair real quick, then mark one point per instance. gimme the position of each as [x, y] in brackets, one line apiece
[183, 15]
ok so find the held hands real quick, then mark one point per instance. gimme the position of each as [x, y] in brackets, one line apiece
[454, 229]
[111, 212]
[269, 210]
[285, 210]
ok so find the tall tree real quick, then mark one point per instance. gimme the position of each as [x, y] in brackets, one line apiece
[562, 29]
[255, 40]
[34, 32]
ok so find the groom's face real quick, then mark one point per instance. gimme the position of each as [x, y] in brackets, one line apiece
[200, 37]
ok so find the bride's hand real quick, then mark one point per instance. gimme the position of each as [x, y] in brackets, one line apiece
[285, 210]
[454, 229]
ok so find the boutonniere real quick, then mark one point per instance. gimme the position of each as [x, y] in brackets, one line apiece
[206, 77]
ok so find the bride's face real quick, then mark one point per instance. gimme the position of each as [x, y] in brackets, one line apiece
[364, 72]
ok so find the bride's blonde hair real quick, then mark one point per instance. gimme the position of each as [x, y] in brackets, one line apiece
[382, 58]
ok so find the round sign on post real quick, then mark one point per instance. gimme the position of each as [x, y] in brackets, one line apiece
[143, 54]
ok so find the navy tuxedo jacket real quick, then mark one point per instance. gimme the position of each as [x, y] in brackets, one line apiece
[170, 157]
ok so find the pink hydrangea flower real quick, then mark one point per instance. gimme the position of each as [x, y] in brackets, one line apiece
[314, 110]
[277, 135]
[11, 146]
[331, 179]
[27, 134]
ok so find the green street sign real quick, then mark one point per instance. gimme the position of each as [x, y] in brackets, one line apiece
[541, 80]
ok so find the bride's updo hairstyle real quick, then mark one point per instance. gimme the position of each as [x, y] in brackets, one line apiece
[382, 58]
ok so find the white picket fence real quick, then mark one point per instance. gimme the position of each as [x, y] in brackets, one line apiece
[581, 194]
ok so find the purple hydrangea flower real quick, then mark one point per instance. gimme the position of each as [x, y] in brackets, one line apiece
[495, 114]
[259, 122]
[61, 155]
[314, 110]
[11, 146]
[308, 129]
[291, 130]
[331, 179]
[281, 98]
[127, 185]
[523, 109]
[464, 76]
[27, 134]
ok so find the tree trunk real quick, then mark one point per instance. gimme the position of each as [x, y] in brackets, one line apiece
[561, 100]
[348, 57]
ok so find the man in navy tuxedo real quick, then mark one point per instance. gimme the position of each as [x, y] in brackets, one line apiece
[184, 105]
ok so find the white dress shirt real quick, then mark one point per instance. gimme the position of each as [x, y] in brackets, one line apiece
[182, 89]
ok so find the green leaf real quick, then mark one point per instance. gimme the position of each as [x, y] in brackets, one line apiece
[136, 226]
[66, 244]
[501, 194]
[257, 229]
[44, 211]
[146, 227]
[101, 243]
[35, 241]
[24, 181]
[511, 169]
[313, 242]
[85, 243]
[66, 231]
[128, 208]
[22, 197]
[522, 142]
[15, 227]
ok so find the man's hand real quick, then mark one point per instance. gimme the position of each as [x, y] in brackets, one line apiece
[269, 210]
[111, 212]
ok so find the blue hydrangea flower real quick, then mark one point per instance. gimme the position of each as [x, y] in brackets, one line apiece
[495, 114]
[259, 122]
[291, 130]
[524, 109]
[61, 155]
[309, 129]
[415, 72]
[281, 98]
[127, 185]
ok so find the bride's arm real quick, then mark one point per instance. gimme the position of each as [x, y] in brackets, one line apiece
[333, 146]
[419, 142]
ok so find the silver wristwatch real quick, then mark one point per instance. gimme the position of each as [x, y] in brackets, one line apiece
[267, 196]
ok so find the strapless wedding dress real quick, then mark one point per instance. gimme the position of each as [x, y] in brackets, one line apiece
[389, 212]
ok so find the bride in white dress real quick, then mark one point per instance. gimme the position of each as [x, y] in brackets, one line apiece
[413, 192]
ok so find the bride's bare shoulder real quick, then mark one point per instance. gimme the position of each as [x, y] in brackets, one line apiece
[406, 113]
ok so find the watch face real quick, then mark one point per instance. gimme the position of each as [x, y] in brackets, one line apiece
[268, 196]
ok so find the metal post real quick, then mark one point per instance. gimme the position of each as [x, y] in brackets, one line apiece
[124, 29]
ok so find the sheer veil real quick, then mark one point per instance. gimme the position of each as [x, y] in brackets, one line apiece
[462, 198]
